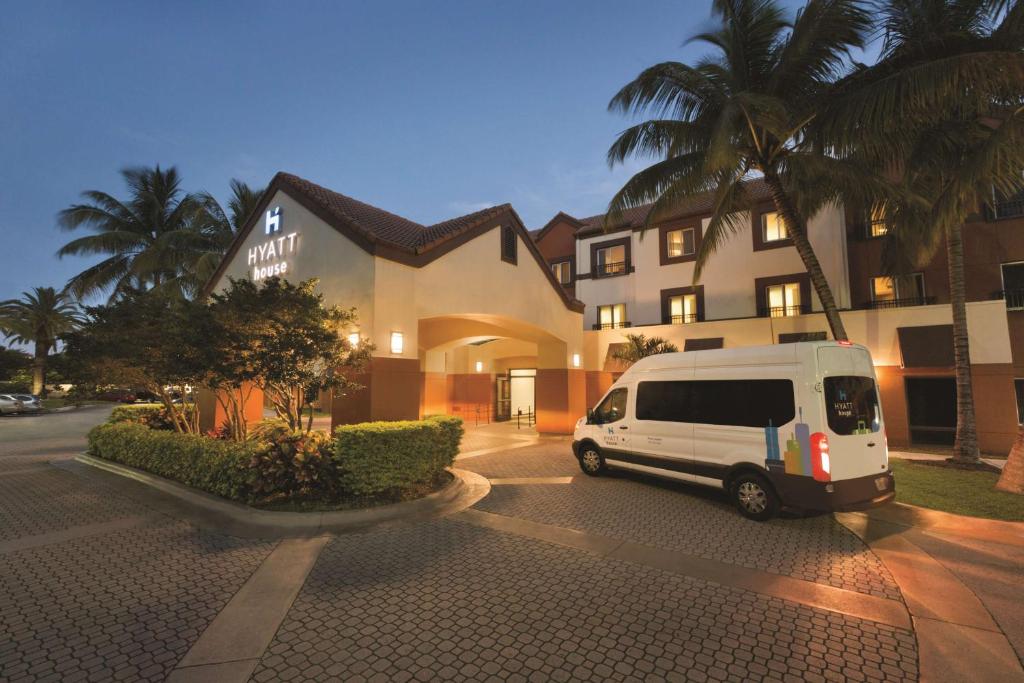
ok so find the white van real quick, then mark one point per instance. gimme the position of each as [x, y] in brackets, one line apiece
[789, 425]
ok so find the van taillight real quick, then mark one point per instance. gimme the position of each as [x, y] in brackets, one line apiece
[821, 465]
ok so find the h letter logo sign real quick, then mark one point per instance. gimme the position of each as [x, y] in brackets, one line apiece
[273, 220]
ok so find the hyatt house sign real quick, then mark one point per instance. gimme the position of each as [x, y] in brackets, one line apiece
[270, 258]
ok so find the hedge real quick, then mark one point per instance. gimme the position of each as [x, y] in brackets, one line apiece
[380, 457]
[212, 465]
[361, 461]
[149, 414]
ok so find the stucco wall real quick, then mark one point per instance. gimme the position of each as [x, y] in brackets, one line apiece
[728, 278]
[346, 272]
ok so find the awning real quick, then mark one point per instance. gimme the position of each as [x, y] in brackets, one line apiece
[926, 346]
[703, 343]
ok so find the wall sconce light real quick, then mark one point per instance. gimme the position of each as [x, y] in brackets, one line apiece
[479, 366]
[397, 342]
[353, 339]
[575, 360]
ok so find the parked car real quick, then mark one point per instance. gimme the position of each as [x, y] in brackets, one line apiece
[29, 403]
[9, 405]
[118, 395]
[789, 425]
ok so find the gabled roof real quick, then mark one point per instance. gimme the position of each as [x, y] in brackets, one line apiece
[560, 217]
[385, 234]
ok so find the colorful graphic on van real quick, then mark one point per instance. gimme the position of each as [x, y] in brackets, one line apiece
[800, 457]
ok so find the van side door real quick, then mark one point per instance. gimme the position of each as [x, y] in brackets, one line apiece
[663, 426]
[611, 423]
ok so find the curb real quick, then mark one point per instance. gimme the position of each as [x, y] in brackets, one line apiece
[208, 510]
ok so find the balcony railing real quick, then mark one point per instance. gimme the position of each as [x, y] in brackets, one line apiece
[900, 303]
[1010, 208]
[783, 311]
[1014, 298]
[610, 326]
[606, 269]
[681, 319]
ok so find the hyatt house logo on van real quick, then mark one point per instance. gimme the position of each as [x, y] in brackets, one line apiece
[268, 259]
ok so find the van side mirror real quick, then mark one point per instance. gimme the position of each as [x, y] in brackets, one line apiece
[590, 416]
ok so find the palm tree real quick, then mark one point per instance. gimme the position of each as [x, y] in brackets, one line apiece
[639, 346]
[740, 111]
[138, 235]
[212, 232]
[40, 317]
[943, 104]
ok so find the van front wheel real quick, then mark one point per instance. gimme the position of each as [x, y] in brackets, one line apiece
[591, 460]
[754, 497]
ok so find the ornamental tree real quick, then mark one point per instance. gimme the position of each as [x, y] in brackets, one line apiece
[281, 338]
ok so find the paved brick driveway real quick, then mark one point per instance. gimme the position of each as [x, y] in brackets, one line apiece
[97, 585]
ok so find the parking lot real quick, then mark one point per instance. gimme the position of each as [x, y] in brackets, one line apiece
[552, 576]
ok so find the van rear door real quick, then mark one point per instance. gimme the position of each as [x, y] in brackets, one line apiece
[853, 412]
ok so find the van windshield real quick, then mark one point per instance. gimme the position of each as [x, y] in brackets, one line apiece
[851, 404]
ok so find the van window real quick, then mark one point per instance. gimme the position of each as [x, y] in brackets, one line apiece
[612, 408]
[738, 403]
[851, 404]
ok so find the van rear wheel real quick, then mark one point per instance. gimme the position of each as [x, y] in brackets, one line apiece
[754, 497]
[591, 460]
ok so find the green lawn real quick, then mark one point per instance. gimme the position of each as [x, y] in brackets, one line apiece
[957, 491]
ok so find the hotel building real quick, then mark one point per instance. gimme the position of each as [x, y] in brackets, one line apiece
[477, 316]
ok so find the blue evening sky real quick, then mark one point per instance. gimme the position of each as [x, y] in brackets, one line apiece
[426, 109]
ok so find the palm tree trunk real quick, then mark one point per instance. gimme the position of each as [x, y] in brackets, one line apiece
[965, 448]
[39, 369]
[796, 227]
[1012, 478]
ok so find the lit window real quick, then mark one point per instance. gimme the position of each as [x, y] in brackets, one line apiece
[353, 339]
[397, 342]
[773, 229]
[683, 308]
[908, 290]
[681, 242]
[783, 300]
[610, 260]
[612, 316]
[878, 225]
[562, 272]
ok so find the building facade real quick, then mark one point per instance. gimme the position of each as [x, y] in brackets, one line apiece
[754, 290]
[476, 316]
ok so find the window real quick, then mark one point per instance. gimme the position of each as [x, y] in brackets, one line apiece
[1013, 285]
[682, 242]
[1018, 385]
[738, 403]
[610, 260]
[908, 289]
[509, 243]
[611, 317]
[562, 271]
[612, 408]
[783, 299]
[877, 226]
[683, 309]
[773, 229]
[795, 337]
[851, 404]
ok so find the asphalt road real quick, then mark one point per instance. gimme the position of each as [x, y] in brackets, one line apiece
[49, 435]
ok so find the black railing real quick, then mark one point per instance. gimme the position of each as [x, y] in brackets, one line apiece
[681, 319]
[610, 326]
[1014, 298]
[606, 269]
[783, 311]
[1010, 208]
[900, 303]
[527, 419]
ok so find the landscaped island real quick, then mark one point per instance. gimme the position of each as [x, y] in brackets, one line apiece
[358, 466]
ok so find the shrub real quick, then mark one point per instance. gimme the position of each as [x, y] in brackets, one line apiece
[376, 458]
[218, 467]
[152, 415]
[292, 464]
